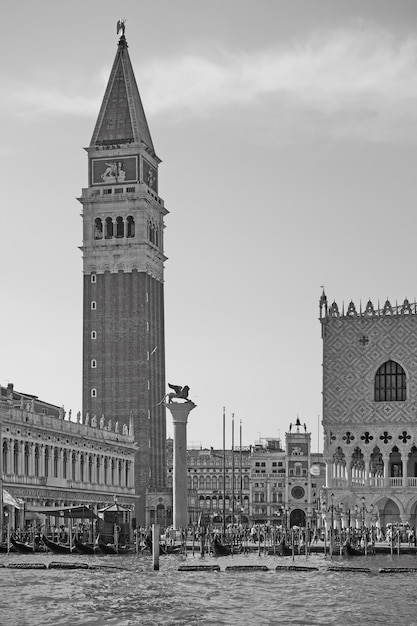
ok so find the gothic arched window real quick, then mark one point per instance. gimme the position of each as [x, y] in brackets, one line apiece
[390, 383]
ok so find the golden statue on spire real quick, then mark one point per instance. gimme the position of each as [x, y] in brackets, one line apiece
[121, 26]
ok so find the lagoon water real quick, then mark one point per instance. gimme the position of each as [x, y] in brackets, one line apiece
[125, 590]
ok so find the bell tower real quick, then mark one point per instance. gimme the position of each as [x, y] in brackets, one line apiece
[123, 270]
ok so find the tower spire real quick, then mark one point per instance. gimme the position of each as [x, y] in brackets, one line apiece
[121, 120]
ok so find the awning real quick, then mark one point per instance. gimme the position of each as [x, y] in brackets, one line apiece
[115, 508]
[67, 512]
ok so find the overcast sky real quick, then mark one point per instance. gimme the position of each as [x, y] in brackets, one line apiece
[288, 135]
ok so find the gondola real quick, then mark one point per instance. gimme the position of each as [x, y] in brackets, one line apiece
[283, 549]
[163, 549]
[87, 548]
[220, 549]
[58, 548]
[20, 546]
[351, 551]
[111, 548]
[5, 548]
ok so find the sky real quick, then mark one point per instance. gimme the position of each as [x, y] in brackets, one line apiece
[287, 131]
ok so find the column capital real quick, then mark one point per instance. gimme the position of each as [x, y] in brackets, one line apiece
[180, 410]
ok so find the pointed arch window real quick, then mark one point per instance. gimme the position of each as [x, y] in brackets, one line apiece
[390, 383]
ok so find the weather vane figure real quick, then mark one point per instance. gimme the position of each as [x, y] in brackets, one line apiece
[121, 26]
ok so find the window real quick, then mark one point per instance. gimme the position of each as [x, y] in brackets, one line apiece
[390, 383]
[93, 305]
[15, 458]
[64, 464]
[98, 228]
[56, 461]
[93, 363]
[120, 227]
[130, 226]
[94, 393]
[26, 464]
[93, 278]
[93, 334]
[109, 228]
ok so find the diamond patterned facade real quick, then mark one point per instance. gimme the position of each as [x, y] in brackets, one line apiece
[370, 440]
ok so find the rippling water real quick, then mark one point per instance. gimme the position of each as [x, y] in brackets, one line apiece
[126, 591]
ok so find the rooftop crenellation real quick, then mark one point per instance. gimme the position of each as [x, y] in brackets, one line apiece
[369, 310]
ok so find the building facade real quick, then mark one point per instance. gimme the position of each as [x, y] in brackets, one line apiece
[260, 484]
[369, 412]
[123, 268]
[47, 460]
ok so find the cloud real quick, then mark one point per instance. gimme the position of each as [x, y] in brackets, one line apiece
[358, 81]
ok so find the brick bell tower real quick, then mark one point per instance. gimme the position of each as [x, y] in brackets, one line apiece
[123, 267]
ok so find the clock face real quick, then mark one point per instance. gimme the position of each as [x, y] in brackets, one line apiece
[297, 492]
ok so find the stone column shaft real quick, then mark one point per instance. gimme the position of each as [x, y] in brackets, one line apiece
[180, 412]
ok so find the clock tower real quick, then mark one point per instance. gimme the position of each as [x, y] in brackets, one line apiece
[123, 270]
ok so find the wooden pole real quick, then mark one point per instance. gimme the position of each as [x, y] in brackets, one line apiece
[155, 546]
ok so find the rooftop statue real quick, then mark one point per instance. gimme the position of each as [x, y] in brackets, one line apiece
[179, 392]
[121, 26]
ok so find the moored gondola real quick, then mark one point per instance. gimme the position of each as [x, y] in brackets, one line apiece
[111, 548]
[352, 551]
[220, 549]
[58, 548]
[20, 546]
[87, 548]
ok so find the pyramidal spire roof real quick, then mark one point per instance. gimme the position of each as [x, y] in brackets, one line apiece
[122, 119]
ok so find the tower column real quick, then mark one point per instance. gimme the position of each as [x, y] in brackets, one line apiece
[180, 412]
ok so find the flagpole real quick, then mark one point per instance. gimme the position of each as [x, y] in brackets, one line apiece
[233, 469]
[224, 473]
[240, 472]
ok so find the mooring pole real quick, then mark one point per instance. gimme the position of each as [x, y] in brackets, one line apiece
[155, 546]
